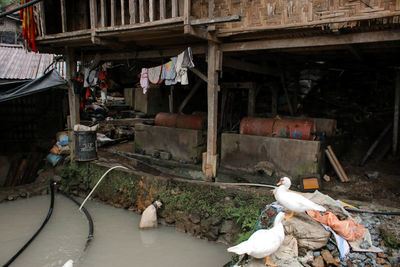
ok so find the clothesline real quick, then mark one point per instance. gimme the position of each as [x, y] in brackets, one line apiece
[172, 72]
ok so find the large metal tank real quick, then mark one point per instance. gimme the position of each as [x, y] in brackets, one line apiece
[295, 129]
[194, 122]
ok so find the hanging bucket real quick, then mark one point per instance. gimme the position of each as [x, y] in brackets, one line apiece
[85, 145]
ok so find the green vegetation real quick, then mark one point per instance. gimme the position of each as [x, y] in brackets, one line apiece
[180, 199]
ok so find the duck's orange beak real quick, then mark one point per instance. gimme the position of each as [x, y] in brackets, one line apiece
[280, 182]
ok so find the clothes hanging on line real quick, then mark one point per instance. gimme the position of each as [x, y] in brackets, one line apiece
[154, 75]
[144, 81]
[169, 72]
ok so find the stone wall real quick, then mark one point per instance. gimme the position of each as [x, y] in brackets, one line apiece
[211, 211]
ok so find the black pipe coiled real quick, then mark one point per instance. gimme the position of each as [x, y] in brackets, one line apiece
[373, 211]
[89, 218]
[40, 229]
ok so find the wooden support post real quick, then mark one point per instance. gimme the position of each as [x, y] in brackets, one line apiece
[42, 17]
[93, 14]
[72, 98]
[151, 10]
[103, 11]
[113, 12]
[171, 99]
[141, 11]
[186, 15]
[251, 102]
[212, 99]
[63, 16]
[132, 11]
[274, 100]
[396, 114]
[174, 8]
[122, 12]
[163, 10]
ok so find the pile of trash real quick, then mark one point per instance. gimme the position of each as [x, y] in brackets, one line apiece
[336, 238]
[60, 149]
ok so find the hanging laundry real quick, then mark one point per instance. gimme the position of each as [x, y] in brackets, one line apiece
[184, 61]
[188, 59]
[144, 81]
[169, 73]
[181, 73]
[154, 74]
[29, 26]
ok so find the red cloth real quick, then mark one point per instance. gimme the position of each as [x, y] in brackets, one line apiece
[348, 229]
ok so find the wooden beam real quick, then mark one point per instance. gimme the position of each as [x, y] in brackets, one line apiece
[315, 41]
[113, 13]
[63, 16]
[141, 11]
[103, 12]
[396, 114]
[212, 99]
[163, 9]
[214, 20]
[274, 100]
[249, 67]
[72, 98]
[108, 43]
[122, 12]
[190, 95]
[196, 50]
[199, 74]
[42, 14]
[251, 103]
[283, 81]
[201, 33]
[93, 14]
[132, 11]
[174, 8]
[151, 10]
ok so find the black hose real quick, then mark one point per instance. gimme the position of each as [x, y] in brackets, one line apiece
[89, 218]
[374, 212]
[19, 8]
[40, 229]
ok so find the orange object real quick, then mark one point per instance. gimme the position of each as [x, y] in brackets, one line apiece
[348, 229]
[310, 183]
[54, 150]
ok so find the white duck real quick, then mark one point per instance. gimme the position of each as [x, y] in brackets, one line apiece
[263, 243]
[292, 200]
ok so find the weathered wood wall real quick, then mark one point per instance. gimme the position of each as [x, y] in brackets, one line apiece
[275, 13]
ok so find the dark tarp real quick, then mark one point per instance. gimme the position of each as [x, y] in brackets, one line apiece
[12, 90]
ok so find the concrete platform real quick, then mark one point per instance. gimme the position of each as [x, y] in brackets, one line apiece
[183, 144]
[274, 155]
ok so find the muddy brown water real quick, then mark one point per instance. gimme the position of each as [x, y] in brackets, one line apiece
[117, 239]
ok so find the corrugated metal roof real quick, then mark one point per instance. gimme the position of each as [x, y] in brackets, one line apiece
[18, 64]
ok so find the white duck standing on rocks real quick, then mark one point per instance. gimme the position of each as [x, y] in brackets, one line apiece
[292, 200]
[263, 243]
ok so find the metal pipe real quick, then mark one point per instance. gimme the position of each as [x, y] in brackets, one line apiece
[94, 188]
[19, 8]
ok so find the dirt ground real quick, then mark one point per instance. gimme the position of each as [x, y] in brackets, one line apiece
[383, 190]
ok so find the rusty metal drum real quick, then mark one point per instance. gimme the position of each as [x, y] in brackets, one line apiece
[165, 119]
[295, 129]
[194, 122]
[256, 126]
